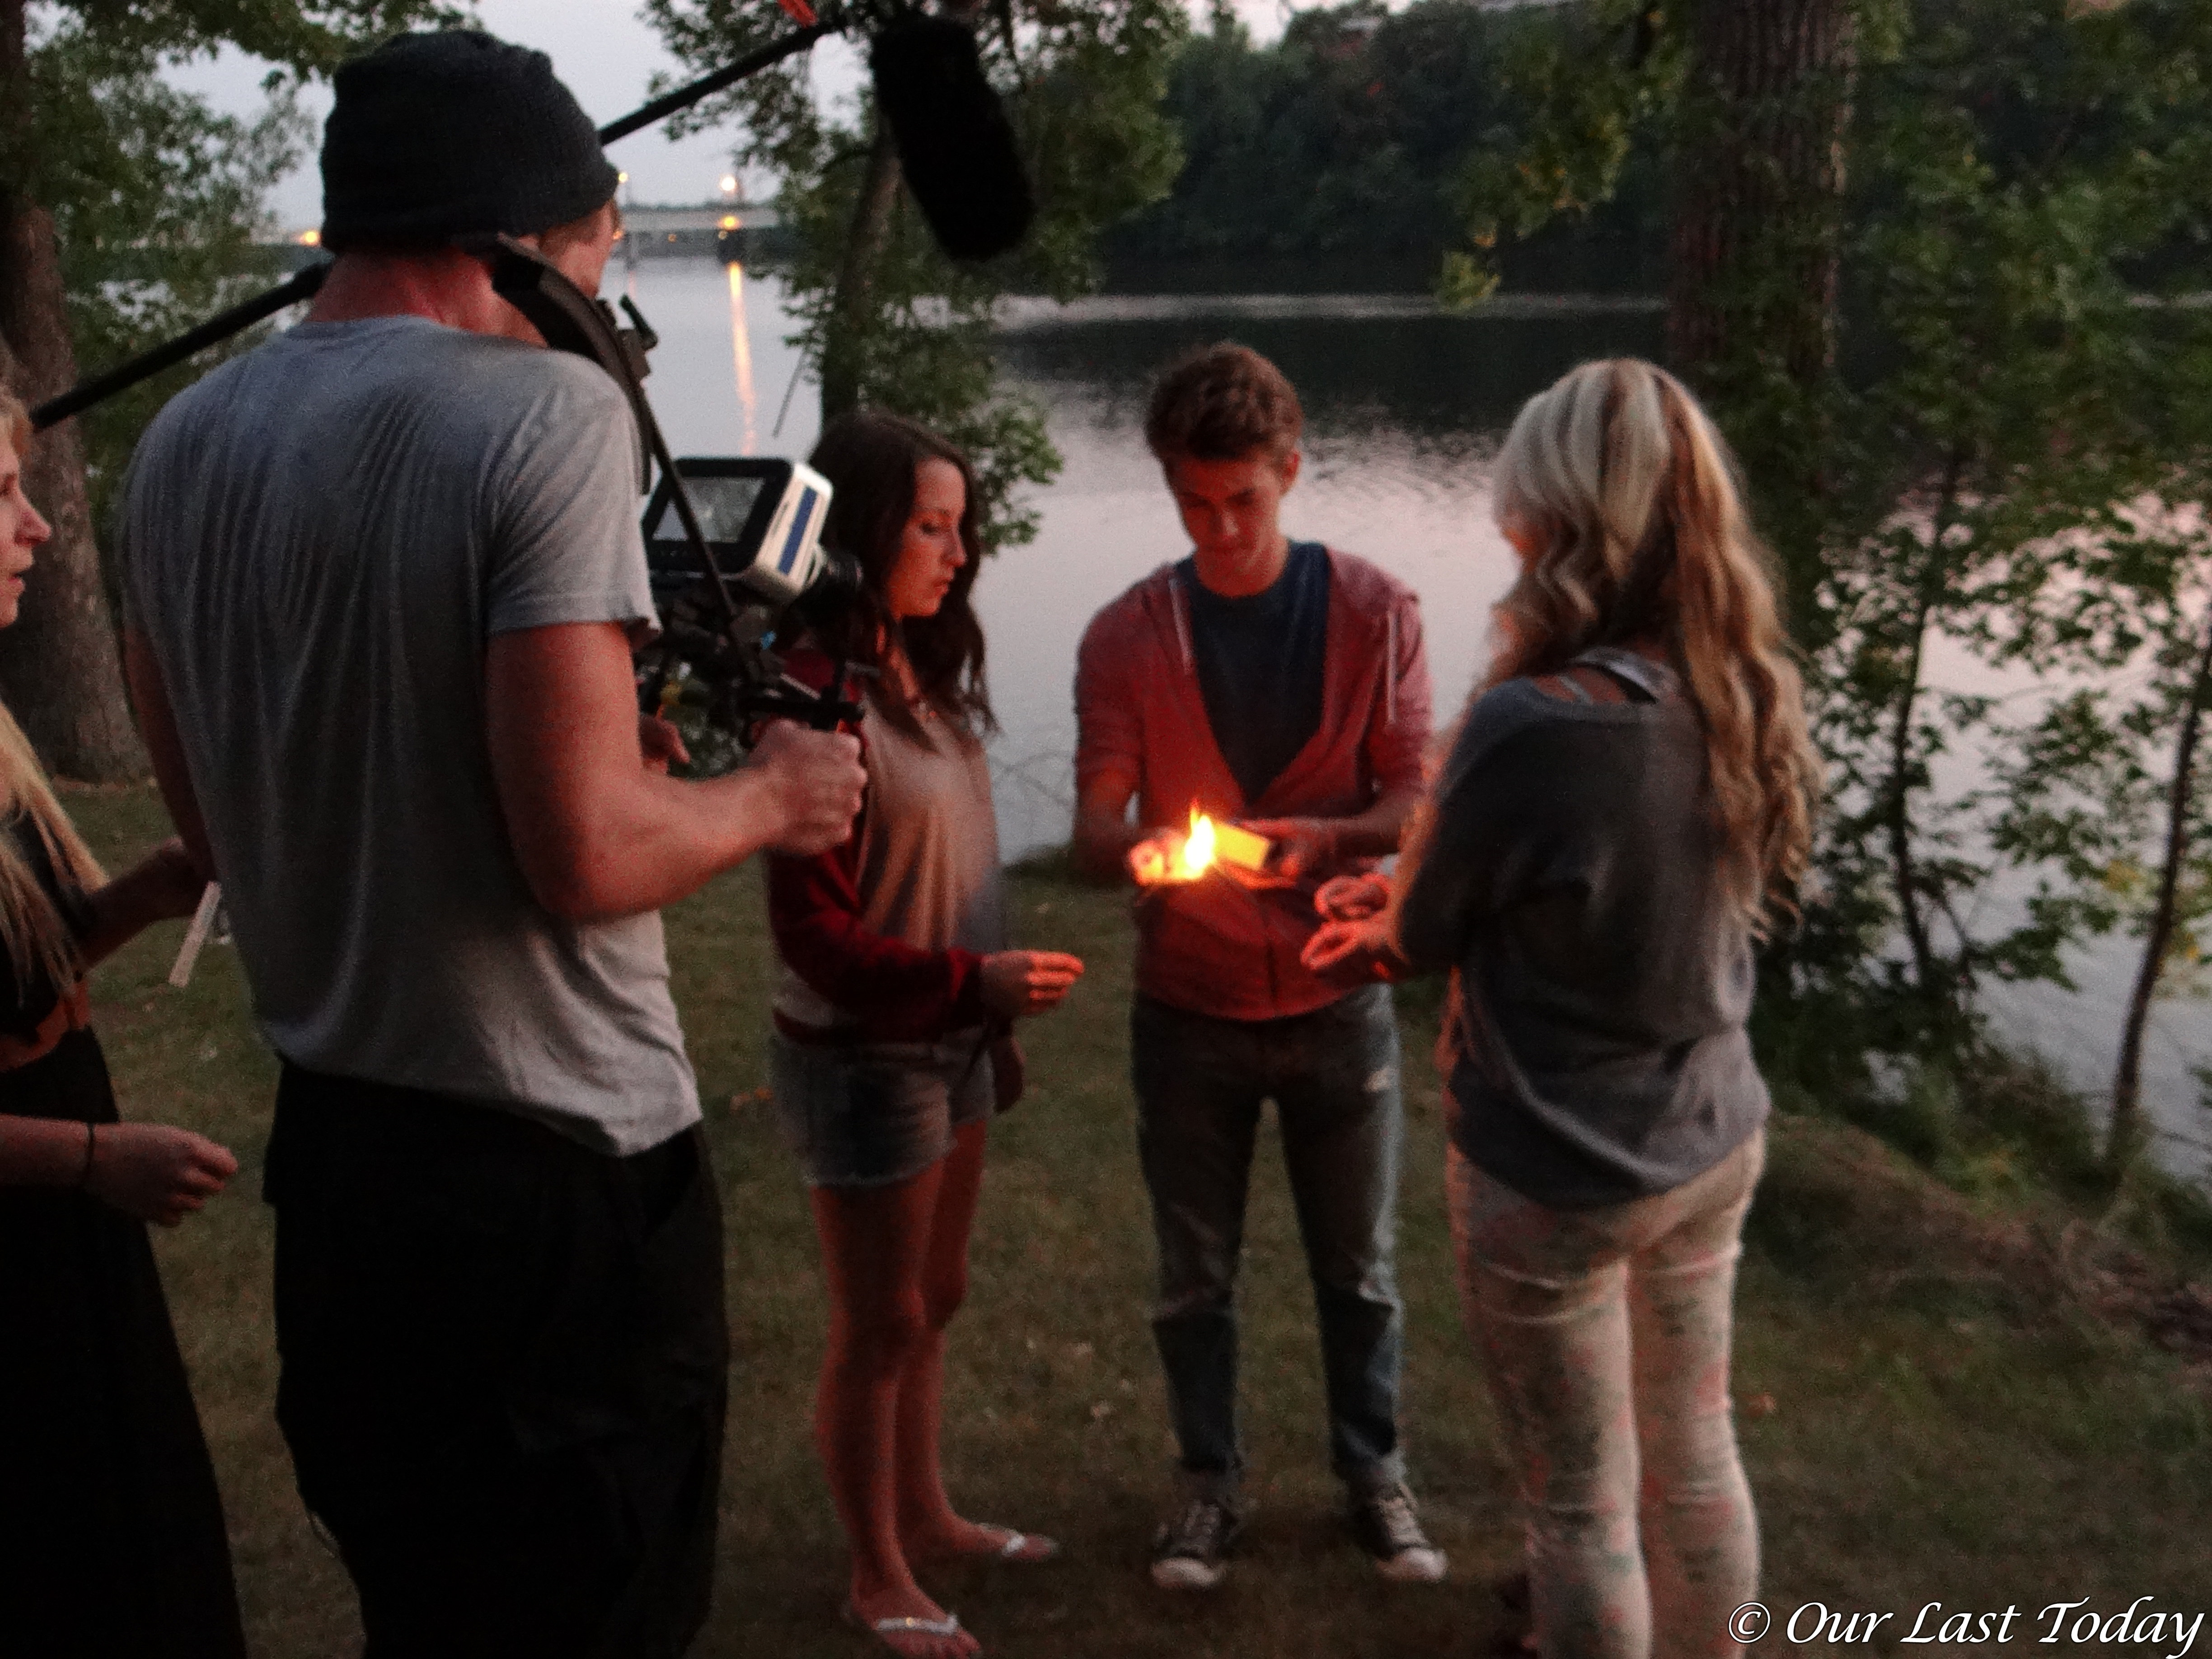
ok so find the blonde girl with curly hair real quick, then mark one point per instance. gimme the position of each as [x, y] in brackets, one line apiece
[1626, 803]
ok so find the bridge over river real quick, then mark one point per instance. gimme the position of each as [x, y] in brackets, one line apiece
[739, 230]
[729, 231]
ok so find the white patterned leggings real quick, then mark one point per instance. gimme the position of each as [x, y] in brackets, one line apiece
[1606, 1334]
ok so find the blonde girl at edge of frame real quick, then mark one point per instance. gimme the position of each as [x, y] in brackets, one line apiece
[111, 1536]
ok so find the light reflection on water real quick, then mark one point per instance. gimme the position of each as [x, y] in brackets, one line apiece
[741, 355]
[1404, 407]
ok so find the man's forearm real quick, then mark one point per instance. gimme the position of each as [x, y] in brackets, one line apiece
[1377, 832]
[657, 840]
[157, 725]
[599, 833]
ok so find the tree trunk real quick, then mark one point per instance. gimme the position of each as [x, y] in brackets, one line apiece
[1897, 807]
[1755, 252]
[1897, 812]
[844, 351]
[1756, 246]
[60, 672]
[2126, 1134]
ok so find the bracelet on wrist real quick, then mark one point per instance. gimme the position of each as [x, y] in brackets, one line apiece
[91, 1144]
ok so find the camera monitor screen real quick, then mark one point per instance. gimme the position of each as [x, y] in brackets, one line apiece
[723, 506]
[762, 519]
[736, 499]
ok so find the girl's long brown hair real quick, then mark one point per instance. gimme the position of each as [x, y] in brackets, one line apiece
[870, 458]
[1629, 497]
[36, 938]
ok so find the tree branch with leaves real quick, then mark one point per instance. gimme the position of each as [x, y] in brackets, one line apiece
[127, 210]
[884, 316]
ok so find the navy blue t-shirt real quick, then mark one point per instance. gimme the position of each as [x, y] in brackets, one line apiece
[1259, 662]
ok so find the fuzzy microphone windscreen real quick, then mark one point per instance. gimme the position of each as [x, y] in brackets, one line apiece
[954, 142]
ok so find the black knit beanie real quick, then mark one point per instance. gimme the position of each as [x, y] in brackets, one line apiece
[437, 136]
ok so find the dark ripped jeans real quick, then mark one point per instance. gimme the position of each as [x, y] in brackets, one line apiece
[1333, 1075]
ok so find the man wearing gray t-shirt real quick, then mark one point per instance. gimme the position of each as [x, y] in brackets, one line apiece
[382, 576]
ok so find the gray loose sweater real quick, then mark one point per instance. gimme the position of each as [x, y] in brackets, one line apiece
[1595, 1047]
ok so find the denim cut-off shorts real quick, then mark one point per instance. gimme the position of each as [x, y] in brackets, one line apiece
[870, 1113]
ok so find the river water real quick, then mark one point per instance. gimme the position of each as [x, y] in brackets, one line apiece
[1404, 406]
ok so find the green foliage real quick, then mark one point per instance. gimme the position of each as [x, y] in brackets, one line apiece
[1342, 136]
[1586, 83]
[157, 198]
[1365, 138]
[1083, 83]
[2001, 487]
[2020, 484]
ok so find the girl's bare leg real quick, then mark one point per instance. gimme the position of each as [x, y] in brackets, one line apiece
[875, 1254]
[927, 1523]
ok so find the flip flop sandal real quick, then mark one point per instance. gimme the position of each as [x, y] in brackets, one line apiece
[1016, 1542]
[903, 1625]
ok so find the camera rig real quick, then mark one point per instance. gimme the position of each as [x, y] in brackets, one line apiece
[719, 620]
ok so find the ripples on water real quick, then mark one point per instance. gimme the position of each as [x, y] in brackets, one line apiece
[1405, 405]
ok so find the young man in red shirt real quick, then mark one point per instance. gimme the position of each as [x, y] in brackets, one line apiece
[1282, 684]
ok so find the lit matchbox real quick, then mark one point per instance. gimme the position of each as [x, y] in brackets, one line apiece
[1240, 846]
[1208, 844]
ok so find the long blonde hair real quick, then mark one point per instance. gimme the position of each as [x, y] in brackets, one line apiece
[38, 940]
[1629, 497]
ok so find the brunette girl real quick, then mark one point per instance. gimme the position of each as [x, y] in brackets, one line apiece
[112, 1542]
[1627, 801]
[893, 1041]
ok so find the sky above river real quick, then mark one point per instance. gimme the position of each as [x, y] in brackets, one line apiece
[608, 57]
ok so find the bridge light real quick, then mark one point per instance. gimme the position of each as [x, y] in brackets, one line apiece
[311, 238]
[729, 221]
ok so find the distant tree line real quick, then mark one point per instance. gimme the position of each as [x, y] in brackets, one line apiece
[1347, 147]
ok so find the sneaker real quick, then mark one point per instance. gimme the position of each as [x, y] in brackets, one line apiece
[1388, 1528]
[1191, 1552]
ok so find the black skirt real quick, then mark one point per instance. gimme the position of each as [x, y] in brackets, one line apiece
[112, 1542]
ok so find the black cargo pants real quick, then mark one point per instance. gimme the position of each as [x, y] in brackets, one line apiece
[505, 1371]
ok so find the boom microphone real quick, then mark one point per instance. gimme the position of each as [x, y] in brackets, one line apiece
[954, 142]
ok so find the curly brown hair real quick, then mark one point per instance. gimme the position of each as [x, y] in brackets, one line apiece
[1223, 402]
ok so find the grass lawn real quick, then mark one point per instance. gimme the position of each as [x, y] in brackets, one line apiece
[1921, 1423]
